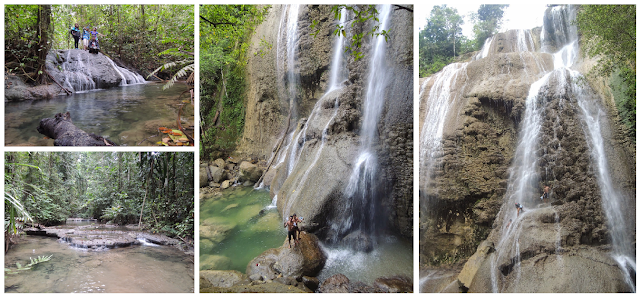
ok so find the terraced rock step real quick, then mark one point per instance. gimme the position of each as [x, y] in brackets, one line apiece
[101, 238]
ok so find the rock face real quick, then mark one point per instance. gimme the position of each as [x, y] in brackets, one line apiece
[318, 152]
[75, 70]
[464, 218]
[305, 259]
[78, 70]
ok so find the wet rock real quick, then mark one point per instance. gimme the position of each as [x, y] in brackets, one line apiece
[472, 266]
[358, 241]
[307, 258]
[337, 283]
[395, 284]
[221, 278]
[311, 282]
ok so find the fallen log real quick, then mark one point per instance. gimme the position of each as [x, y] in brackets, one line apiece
[65, 133]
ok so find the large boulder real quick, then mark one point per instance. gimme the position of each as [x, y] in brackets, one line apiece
[204, 178]
[216, 174]
[249, 172]
[305, 259]
[472, 265]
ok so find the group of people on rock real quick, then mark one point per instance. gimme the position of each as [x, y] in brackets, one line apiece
[87, 36]
[293, 229]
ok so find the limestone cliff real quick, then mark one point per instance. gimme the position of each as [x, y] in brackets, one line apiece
[310, 172]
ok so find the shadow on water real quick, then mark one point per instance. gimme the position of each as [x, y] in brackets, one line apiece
[135, 269]
[126, 115]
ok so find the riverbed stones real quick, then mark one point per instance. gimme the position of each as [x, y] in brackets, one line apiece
[221, 278]
[225, 184]
[89, 237]
[216, 174]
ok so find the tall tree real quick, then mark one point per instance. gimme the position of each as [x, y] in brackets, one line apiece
[439, 39]
[487, 21]
[44, 32]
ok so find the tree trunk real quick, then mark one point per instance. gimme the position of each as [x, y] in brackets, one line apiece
[145, 192]
[44, 30]
[66, 133]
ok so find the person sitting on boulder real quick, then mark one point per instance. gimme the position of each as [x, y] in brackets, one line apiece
[94, 35]
[291, 232]
[519, 208]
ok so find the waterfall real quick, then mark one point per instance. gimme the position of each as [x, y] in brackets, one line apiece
[293, 151]
[362, 187]
[78, 71]
[523, 182]
[76, 76]
[594, 120]
[338, 71]
[439, 100]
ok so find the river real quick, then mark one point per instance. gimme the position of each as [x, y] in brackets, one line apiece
[144, 268]
[127, 115]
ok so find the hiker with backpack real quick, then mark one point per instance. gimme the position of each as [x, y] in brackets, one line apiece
[75, 32]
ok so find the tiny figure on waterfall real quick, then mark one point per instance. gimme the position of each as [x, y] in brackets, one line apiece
[75, 32]
[85, 38]
[545, 193]
[519, 208]
[509, 223]
[290, 231]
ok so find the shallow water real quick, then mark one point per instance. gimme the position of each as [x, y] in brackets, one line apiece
[135, 269]
[246, 233]
[391, 257]
[127, 115]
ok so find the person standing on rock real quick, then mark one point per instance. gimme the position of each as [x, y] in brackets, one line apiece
[296, 227]
[291, 232]
[75, 32]
[519, 208]
[85, 38]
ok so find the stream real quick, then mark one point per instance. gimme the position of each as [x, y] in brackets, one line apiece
[144, 268]
[127, 115]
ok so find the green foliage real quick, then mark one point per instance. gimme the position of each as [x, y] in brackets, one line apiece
[134, 34]
[26, 39]
[608, 32]
[439, 39]
[225, 32]
[362, 14]
[19, 267]
[487, 21]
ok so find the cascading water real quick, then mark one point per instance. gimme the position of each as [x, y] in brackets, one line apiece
[523, 185]
[439, 100]
[362, 189]
[594, 119]
[77, 72]
[296, 145]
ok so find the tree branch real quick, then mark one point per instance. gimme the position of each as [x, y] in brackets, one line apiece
[217, 24]
[398, 7]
